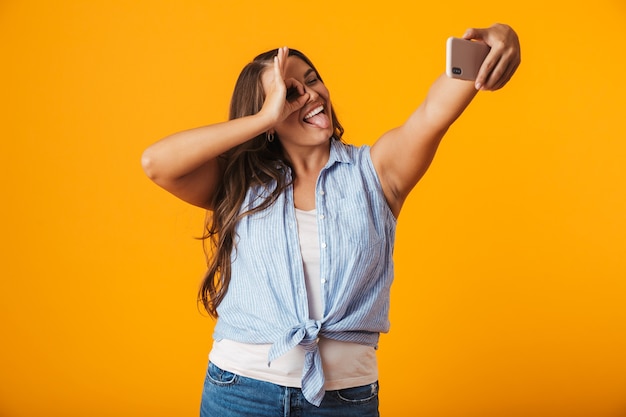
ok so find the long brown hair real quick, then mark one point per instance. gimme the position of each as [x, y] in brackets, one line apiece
[253, 163]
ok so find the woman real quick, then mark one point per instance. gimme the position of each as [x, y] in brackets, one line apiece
[302, 230]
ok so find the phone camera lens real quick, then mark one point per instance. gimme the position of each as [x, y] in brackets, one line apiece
[457, 70]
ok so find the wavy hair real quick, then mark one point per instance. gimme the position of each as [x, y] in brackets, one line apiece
[253, 163]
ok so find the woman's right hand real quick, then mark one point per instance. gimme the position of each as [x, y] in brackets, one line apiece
[186, 163]
[282, 96]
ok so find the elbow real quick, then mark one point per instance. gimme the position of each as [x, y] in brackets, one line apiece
[148, 164]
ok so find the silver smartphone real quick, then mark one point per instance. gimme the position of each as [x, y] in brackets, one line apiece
[464, 58]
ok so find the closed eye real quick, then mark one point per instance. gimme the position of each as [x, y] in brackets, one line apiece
[311, 77]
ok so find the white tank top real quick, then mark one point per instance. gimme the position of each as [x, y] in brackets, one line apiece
[345, 364]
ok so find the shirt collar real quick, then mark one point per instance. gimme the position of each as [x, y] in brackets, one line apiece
[339, 153]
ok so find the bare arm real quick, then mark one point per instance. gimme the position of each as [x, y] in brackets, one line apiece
[402, 155]
[186, 163]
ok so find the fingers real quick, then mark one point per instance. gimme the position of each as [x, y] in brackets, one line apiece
[277, 72]
[497, 78]
[486, 74]
[298, 103]
[278, 67]
[503, 59]
[278, 64]
[281, 58]
[498, 69]
[473, 33]
[500, 80]
[494, 73]
[294, 89]
[297, 96]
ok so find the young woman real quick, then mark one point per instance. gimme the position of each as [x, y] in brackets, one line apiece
[301, 228]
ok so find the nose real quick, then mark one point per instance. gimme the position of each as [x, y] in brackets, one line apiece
[313, 95]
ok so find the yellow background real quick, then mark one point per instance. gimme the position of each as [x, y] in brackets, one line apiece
[510, 293]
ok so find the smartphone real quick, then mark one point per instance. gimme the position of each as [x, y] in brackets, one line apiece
[464, 58]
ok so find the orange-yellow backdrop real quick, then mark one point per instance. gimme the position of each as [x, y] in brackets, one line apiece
[510, 294]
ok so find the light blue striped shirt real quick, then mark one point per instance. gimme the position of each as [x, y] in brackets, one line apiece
[266, 300]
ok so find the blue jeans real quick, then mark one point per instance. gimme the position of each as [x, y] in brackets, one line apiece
[230, 395]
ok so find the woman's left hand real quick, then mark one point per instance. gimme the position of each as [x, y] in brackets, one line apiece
[502, 60]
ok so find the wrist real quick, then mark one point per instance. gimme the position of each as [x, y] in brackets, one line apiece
[265, 120]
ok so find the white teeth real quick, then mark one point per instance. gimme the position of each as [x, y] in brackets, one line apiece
[313, 112]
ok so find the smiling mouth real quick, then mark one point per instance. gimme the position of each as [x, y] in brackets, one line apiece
[314, 112]
[317, 117]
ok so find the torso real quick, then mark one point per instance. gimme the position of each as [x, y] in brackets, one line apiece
[267, 302]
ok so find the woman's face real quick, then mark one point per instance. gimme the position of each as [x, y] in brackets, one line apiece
[312, 124]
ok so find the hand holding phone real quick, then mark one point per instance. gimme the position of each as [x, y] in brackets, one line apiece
[464, 58]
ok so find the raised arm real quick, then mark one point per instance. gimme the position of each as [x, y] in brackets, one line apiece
[402, 155]
[186, 163]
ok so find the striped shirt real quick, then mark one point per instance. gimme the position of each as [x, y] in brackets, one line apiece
[266, 300]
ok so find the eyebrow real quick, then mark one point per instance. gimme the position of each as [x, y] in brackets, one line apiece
[310, 70]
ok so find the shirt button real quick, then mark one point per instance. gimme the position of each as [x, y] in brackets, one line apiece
[323, 280]
[324, 245]
[322, 192]
[321, 216]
